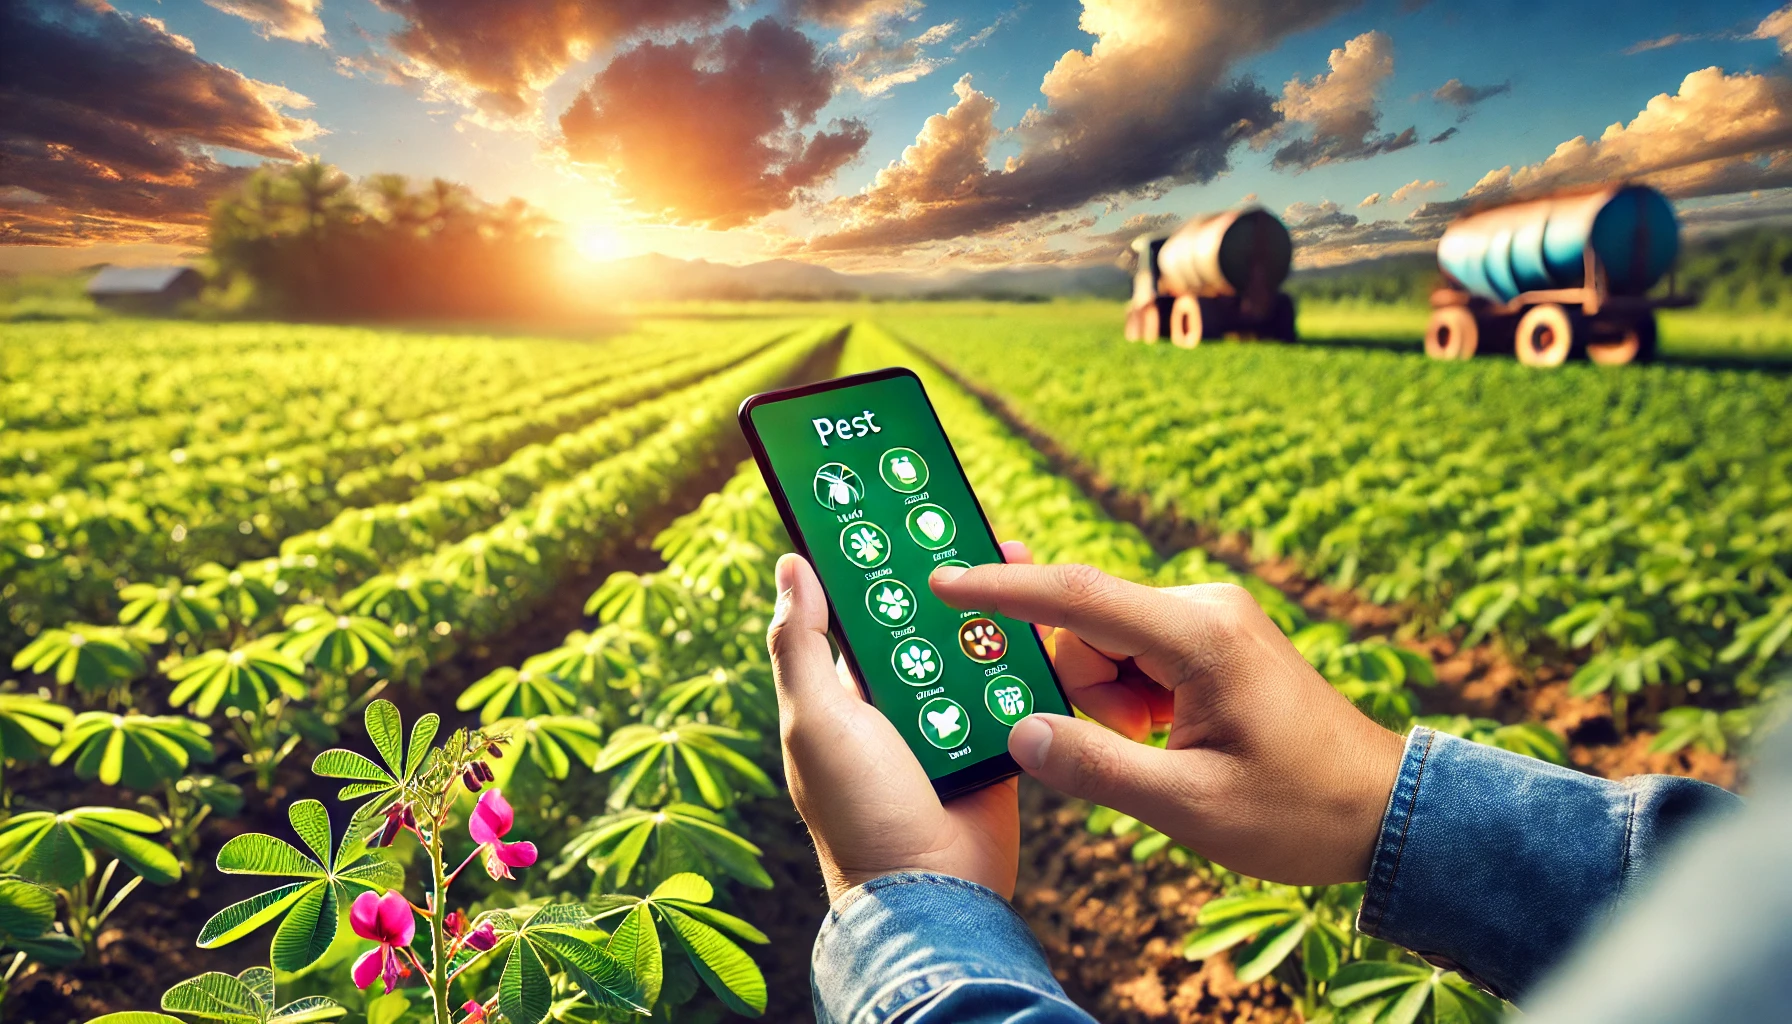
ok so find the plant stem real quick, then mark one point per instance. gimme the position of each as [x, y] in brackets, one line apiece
[438, 964]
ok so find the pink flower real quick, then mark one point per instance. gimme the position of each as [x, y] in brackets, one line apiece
[475, 1012]
[455, 923]
[483, 937]
[492, 818]
[386, 920]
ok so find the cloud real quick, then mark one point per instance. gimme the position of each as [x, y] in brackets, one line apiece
[1777, 27]
[1446, 135]
[1150, 105]
[709, 130]
[1466, 97]
[282, 19]
[1317, 216]
[1719, 134]
[1324, 234]
[1369, 200]
[496, 57]
[1663, 42]
[981, 36]
[884, 60]
[1340, 108]
[848, 13]
[1413, 188]
[116, 152]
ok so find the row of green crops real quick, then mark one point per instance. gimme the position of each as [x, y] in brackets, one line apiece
[1305, 937]
[274, 656]
[62, 559]
[1639, 518]
[616, 918]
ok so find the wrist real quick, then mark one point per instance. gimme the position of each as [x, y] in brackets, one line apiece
[1366, 805]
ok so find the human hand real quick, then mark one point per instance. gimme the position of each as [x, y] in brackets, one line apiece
[1268, 771]
[867, 801]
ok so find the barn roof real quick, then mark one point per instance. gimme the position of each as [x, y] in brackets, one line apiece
[136, 280]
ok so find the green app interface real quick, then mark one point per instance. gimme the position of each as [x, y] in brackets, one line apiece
[880, 503]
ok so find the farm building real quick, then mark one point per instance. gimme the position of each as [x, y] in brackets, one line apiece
[145, 289]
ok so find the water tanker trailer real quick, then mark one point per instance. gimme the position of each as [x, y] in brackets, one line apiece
[1212, 277]
[1552, 279]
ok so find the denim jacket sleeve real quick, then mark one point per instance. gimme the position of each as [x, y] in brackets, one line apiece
[919, 948]
[1494, 864]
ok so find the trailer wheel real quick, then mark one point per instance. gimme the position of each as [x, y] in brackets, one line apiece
[1452, 334]
[1151, 326]
[1133, 316]
[1280, 325]
[1634, 343]
[1545, 336]
[1186, 322]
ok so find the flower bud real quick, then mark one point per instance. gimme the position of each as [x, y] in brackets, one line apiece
[471, 780]
[483, 937]
[485, 771]
[455, 923]
[494, 750]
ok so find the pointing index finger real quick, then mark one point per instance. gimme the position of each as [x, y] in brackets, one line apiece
[1106, 612]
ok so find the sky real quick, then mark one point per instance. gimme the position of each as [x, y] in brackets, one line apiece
[888, 134]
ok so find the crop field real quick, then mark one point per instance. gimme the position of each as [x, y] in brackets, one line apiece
[241, 563]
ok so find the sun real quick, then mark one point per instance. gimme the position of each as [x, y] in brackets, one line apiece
[598, 242]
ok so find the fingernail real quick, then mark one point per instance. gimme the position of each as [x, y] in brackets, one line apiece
[784, 577]
[947, 573]
[1029, 742]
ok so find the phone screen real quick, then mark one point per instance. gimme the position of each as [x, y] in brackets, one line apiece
[873, 494]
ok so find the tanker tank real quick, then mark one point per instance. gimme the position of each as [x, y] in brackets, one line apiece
[1215, 276]
[1565, 276]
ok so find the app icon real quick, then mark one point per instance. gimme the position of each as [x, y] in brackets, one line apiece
[982, 640]
[1009, 699]
[837, 487]
[890, 602]
[931, 526]
[917, 662]
[865, 544]
[944, 723]
[903, 470]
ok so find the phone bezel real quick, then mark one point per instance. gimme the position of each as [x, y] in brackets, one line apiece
[973, 776]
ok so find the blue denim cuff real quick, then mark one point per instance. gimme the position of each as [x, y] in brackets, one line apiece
[1493, 864]
[901, 947]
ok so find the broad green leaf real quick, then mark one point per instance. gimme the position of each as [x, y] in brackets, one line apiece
[241, 918]
[726, 968]
[636, 946]
[308, 929]
[423, 733]
[523, 990]
[253, 853]
[386, 730]
[312, 823]
[1358, 981]
[216, 996]
[307, 1009]
[686, 886]
[1270, 949]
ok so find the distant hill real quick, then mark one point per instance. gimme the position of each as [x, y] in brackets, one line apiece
[663, 277]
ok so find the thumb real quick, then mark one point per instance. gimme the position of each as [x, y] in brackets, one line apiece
[1083, 759]
[802, 662]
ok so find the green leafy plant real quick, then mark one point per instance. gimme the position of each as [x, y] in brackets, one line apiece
[1380, 992]
[246, 998]
[58, 850]
[686, 758]
[681, 838]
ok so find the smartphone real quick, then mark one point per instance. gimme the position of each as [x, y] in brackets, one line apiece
[873, 496]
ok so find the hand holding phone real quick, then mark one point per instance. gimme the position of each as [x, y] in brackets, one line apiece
[870, 808]
[874, 497]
